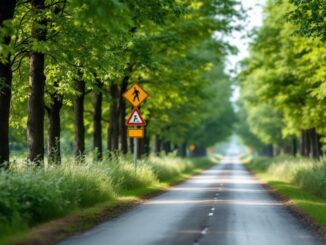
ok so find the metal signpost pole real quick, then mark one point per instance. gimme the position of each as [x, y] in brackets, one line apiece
[135, 149]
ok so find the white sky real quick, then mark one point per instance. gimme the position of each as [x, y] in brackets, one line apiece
[241, 39]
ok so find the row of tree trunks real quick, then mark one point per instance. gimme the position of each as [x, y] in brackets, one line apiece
[199, 152]
[311, 145]
[97, 121]
[79, 144]
[7, 9]
[117, 131]
[35, 121]
[54, 127]
[159, 145]
[268, 151]
[35, 125]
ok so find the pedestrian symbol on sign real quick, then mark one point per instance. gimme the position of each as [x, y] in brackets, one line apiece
[135, 119]
[136, 94]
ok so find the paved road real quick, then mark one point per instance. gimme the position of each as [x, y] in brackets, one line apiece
[224, 205]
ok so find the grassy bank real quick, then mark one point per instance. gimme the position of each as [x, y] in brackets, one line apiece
[30, 196]
[301, 180]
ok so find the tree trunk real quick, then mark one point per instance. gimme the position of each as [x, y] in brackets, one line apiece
[314, 144]
[302, 143]
[199, 152]
[157, 145]
[53, 111]
[269, 150]
[294, 146]
[167, 147]
[113, 131]
[35, 121]
[141, 147]
[320, 145]
[182, 149]
[79, 143]
[122, 116]
[7, 9]
[54, 128]
[131, 145]
[97, 121]
[5, 97]
[146, 143]
[306, 143]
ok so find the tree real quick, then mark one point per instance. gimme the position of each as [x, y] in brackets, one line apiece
[35, 123]
[91, 50]
[97, 120]
[7, 9]
[309, 16]
[282, 74]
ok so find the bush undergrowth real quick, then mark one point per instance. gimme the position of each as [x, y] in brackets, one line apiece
[32, 195]
[308, 174]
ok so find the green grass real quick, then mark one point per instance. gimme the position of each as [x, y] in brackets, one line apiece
[301, 180]
[30, 196]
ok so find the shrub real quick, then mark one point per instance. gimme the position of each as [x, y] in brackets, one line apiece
[306, 173]
[126, 177]
[169, 167]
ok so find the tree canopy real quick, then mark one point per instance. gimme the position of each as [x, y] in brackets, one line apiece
[283, 80]
[81, 56]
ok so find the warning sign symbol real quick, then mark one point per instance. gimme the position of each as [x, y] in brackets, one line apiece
[135, 95]
[135, 119]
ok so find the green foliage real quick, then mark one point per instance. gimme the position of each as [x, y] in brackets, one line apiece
[243, 129]
[310, 17]
[36, 195]
[124, 177]
[283, 79]
[308, 174]
[171, 47]
[169, 167]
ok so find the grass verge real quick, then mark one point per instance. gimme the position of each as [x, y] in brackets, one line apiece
[85, 195]
[291, 177]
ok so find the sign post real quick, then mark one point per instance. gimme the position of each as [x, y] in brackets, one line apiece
[135, 95]
[135, 149]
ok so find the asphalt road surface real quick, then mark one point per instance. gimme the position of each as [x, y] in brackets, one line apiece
[224, 205]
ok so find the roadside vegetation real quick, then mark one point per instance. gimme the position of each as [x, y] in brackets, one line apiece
[32, 195]
[282, 103]
[302, 180]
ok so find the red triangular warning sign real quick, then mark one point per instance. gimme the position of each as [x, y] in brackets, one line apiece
[135, 119]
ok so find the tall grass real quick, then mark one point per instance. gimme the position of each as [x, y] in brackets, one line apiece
[306, 173]
[31, 195]
[170, 167]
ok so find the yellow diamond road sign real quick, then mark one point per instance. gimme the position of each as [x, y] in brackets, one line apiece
[135, 95]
